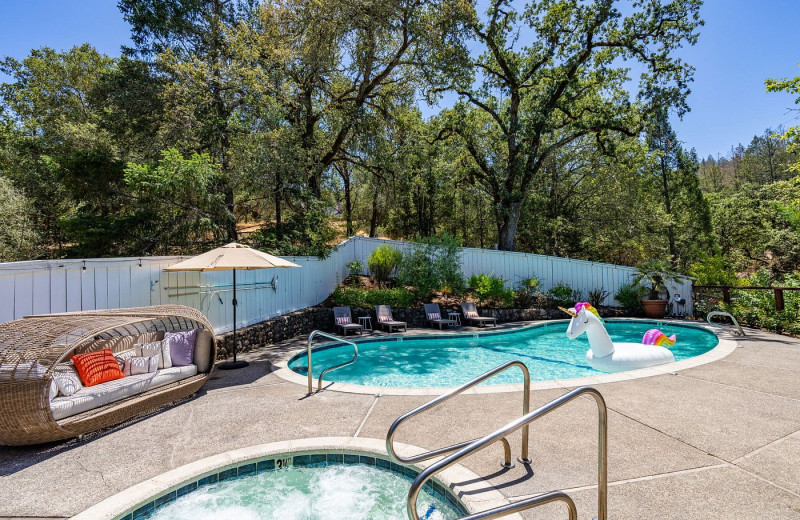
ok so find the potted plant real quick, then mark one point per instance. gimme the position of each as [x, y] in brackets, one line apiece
[653, 277]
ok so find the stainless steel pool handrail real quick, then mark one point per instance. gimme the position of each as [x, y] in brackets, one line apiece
[528, 503]
[322, 374]
[523, 422]
[449, 395]
[724, 314]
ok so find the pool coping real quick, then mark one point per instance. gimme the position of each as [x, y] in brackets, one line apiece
[477, 495]
[726, 345]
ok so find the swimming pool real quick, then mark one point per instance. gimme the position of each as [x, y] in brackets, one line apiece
[450, 360]
[321, 486]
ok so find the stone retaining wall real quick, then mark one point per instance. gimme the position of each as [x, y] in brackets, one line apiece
[303, 322]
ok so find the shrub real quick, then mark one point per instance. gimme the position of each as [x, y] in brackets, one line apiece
[355, 269]
[527, 290]
[628, 297]
[433, 263]
[491, 288]
[596, 297]
[713, 270]
[400, 297]
[383, 262]
[563, 294]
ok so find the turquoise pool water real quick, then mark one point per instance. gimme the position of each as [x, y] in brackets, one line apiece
[443, 361]
[327, 490]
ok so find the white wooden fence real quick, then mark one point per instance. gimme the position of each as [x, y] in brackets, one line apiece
[48, 286]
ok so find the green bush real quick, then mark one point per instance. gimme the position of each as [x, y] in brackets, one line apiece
[354, 268]
[628, 297]
[491, 288]
[713, 270]
[527, 291]
[383, 262]
[596, 297]
[563, 294]
[400, 297]
[431, 264]
[756, 308]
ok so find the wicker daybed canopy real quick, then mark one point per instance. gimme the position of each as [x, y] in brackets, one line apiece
[44, 341]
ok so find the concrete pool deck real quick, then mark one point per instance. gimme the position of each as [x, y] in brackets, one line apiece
[715, 441]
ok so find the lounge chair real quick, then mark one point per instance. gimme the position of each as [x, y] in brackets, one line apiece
[344, 320]
[434, 316]
[471, 315]
[385, 319]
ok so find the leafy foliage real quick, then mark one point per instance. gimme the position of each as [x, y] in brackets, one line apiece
[526, 291]
[491, 289]
[431, 264]
[654, 275]
[629, 297]
[563, 294]
[597, 297]
[18, 238]
[400, 297]
[383, 262]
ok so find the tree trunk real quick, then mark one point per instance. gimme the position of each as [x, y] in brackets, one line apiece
[668, 206]
[278, 216]
[508, 227]
[348, 204]
[373, 223]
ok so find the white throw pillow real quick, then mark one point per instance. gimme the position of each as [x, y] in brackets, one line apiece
[122, 356]
[66, 379]
[140, 365]
[157, 348]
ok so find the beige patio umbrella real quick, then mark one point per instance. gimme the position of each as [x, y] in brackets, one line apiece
[231, 257]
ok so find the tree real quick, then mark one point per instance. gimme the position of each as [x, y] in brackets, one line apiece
[187, 41]
[792, 135]
[529, 99]
[18, 237]
[678, 188]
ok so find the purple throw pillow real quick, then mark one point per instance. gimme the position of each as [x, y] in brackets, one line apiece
[181, 346]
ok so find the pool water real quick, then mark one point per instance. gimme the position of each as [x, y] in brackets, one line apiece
[333, 492]
[446, 361]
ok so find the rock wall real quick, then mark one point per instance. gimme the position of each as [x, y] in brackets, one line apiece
[303, 322]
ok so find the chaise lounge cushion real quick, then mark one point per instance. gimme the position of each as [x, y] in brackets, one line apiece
[103, 394]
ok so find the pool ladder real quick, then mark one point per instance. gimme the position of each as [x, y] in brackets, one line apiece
[462, 450]
[322, 374]
[724, 315]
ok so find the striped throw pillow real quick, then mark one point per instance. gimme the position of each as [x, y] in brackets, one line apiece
[384, 318]
[434, 316]
[471, 314]
[343, 320]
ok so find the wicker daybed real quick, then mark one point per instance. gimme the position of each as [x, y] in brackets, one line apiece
[46, 341]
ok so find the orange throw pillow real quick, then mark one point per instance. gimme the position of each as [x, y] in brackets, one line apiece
[97, 367]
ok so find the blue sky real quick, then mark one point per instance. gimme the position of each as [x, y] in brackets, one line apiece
[742, 43]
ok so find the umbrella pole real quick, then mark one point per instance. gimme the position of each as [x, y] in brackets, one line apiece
[230, 365]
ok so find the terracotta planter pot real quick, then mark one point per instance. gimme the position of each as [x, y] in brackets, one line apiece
[654, 308]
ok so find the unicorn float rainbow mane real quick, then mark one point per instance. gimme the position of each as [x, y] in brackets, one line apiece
[608, 356]
[656, 337]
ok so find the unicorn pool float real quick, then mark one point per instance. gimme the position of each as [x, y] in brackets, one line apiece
[605, 355]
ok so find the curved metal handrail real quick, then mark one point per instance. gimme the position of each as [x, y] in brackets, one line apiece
[724, 314]
[528, 503]
[523, 422]
[449, 395]
[322, 374]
